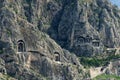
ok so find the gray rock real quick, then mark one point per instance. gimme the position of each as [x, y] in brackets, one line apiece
[33, 34]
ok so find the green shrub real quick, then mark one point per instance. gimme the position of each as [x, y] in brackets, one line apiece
[91, 62]
[1, 51]
[96, 62]
[8, 32]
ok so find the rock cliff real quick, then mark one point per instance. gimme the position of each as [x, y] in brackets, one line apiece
[26, 52]
[87, 27]
[39, 38]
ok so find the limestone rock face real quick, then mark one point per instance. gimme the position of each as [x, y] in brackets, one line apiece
[87, 27]
[113, 68]
[27, 53]
[39, 38]
[83, 27]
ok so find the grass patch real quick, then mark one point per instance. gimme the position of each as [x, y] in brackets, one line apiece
[97, 61]
[106, 76]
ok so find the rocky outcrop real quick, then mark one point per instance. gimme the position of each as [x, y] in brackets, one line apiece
[83, 27]
[28, 53]
[114, 67]
[38, 38]
[86, 27]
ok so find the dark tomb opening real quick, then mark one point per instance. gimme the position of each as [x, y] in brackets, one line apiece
[96, 43]
[21, 46]
[81, 40]
[57, 56]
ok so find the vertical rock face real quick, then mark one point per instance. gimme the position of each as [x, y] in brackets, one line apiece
[83, 27]
[114, 68]
[86, 27]
[27, 53]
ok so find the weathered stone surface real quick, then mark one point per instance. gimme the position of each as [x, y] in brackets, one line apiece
[27, 51]
[85, 18]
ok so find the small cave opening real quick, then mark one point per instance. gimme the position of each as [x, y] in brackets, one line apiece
[21, 46]
[57, 56]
